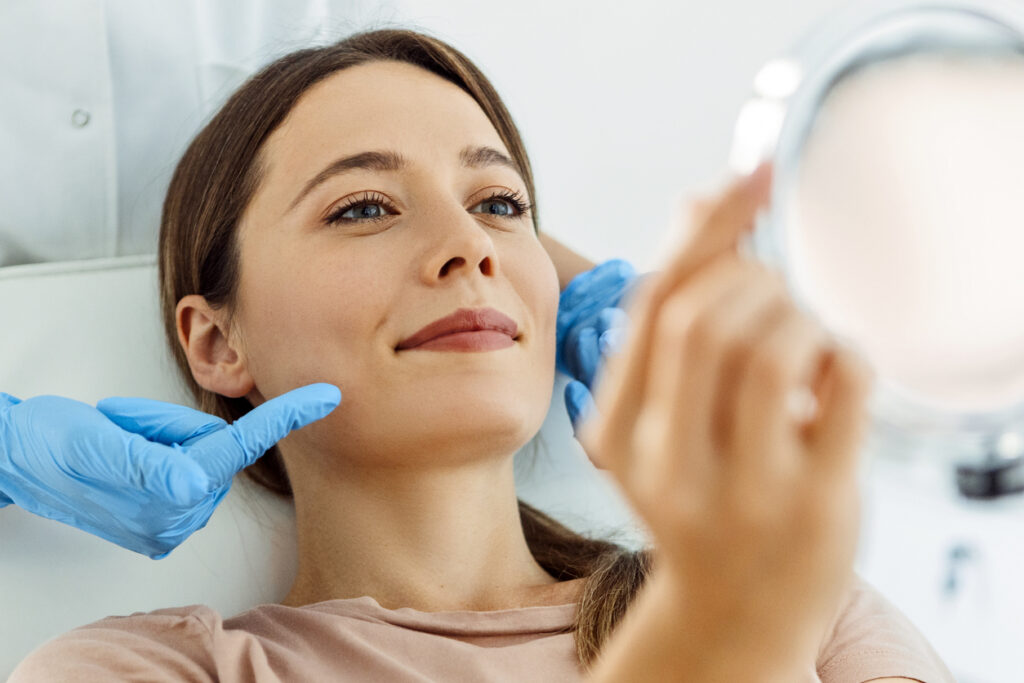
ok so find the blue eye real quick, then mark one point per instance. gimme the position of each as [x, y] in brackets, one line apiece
[371, 206]
[495, 207]
[364, 211]
[503, 204]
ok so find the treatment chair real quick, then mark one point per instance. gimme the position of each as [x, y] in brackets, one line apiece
[91, 329]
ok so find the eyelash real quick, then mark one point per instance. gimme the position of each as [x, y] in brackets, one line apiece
[368, 198]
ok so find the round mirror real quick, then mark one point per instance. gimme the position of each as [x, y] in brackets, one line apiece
[897, 217]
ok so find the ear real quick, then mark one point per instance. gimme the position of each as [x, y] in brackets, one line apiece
[217, 360]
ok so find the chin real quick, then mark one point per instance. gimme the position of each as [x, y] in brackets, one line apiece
[502, 420]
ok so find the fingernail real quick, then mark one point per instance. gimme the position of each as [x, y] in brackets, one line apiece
[612, 341]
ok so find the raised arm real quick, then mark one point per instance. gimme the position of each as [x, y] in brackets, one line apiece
[753, 514]
[567, 262]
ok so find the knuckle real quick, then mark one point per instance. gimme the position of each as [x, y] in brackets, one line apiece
[707, 334]
[753, 511]
[767, 369]
[740, 349]
[674, 319]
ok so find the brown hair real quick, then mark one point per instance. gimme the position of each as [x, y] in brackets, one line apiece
[198, 254]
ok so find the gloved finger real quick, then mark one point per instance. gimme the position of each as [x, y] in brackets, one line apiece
[166, 423]
[616, 274]
[8, 400]
[612, 317]
[5, 501]
[581, 407]
[585, 356]
[613, 324]
[579, 402]
[224, 453]
[160, 470]
[611, 341]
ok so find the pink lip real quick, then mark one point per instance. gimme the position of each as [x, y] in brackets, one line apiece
[467, 329]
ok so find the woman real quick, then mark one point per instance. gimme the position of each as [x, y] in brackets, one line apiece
[352, 203]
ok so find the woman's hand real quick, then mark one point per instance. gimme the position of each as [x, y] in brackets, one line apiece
[754, 514]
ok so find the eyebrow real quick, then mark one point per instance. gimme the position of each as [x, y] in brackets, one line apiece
[386, 160]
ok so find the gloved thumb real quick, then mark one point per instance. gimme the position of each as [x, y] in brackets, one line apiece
[5, 401]
[224, 453]
[8, 400]
[159, 421]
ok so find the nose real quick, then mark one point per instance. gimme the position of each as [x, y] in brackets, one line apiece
[459, 245]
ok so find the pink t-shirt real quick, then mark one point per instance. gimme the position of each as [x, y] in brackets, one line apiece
[358, 640]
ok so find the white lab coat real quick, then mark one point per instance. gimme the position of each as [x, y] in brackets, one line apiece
[99, 98]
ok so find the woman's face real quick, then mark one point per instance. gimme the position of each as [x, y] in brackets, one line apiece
[339, 267]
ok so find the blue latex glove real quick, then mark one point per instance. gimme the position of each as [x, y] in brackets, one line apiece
[142, 474]
[591, 325]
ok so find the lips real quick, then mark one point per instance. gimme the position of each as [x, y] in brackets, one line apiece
[463, 320]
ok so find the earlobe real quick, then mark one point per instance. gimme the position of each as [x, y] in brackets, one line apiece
[216, 361]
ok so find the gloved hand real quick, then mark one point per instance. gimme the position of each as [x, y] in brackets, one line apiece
[591, 325]
[142, 474]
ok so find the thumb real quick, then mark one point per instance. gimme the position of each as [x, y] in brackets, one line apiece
[720, 225]
[159, 421]
[6, 400]
[224, 453]
[717, 232]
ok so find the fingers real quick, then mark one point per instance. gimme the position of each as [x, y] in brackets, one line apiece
[626, 376]
[583, 362]
[682, 374]
[613, 326]
[156, 469]
[166, 423]
[580, 404]
[717, 345]
[224, 453]
[843, 391]
[721, 224]
[765, 441]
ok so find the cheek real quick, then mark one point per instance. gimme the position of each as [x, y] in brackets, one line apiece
[540, 290]
[299, 322]
[535, 279]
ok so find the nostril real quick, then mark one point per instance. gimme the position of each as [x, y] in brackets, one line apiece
[458, 260]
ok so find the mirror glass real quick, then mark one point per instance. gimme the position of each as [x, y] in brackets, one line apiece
[905, 227]
[897, 215]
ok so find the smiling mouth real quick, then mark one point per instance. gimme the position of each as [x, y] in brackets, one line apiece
[465, 329]
[467, 340]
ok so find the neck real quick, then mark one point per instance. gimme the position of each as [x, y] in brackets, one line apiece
[433, 540]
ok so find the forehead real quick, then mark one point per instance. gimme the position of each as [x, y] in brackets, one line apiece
[379, 105]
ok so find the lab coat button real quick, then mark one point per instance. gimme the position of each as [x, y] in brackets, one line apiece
[80, 119]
